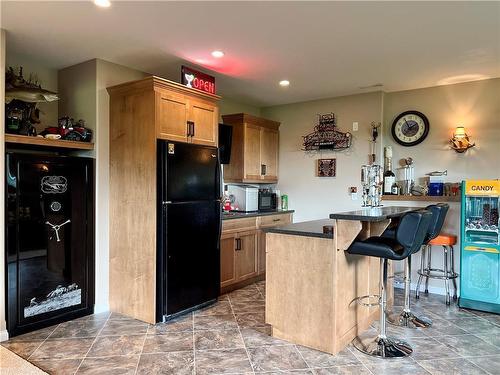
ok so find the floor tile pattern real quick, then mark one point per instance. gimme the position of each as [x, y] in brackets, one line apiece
[231, 337]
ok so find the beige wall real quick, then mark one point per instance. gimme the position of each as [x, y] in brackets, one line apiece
[227, 107]
[47, 77]
[315, 197]
[83, 95]
[476, 105]
[108, 74]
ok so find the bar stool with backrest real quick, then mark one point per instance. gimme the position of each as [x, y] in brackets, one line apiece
[409, 236]
[406, 318]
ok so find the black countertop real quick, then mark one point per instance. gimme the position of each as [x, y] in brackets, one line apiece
[374, 214]
[307, 228]
[240, 215]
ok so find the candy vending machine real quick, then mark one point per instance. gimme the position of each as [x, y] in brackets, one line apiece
[480, 246]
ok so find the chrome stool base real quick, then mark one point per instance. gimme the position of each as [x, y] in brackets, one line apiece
[377, 346]
[409, 320]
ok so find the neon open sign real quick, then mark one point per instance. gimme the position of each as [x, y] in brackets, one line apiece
[197, 80]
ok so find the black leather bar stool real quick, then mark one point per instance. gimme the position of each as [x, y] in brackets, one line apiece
[410, 235]
[406, 318]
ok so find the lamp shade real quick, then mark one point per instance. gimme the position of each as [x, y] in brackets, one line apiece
[460, 132]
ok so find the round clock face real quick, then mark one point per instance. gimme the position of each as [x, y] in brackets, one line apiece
[410, 128]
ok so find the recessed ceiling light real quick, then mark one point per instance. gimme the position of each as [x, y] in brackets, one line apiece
[102, 3]
[217, 54]
[284, 83]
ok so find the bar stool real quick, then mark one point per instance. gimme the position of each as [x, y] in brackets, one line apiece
[409, 236]
[406, 318]
[447, 241]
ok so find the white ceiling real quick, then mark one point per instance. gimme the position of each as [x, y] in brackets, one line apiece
[324, 48]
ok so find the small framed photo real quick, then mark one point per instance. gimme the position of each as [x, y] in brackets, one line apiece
[327, 167]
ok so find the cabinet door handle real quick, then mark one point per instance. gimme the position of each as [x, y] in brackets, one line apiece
[190, 128]
[276, 220]
[238, 244]
[263, 169]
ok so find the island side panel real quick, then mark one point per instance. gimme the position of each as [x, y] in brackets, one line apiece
[132, 265]
[300, 290]
[352, 280]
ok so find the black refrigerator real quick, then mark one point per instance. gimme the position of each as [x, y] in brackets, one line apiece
[49, 239]
[189, 227]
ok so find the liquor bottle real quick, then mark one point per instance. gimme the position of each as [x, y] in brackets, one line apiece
[389, 176]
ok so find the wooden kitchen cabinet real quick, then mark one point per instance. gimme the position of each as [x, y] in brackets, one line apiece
[205, 119]
[254, 154]
[172, 116]
[140, 113]
[227, 259]
[246, 255]
[243, 249]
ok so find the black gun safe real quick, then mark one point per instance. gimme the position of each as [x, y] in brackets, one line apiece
[49, 239]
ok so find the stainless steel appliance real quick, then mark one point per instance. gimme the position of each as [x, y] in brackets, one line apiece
[246, 197]
[189, 226]
[267, 200]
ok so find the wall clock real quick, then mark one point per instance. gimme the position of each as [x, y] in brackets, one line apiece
[410, 128]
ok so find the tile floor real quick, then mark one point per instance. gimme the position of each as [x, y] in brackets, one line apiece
[232, 338]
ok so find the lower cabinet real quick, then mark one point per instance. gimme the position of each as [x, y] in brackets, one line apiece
[238, 252]
[243, 247]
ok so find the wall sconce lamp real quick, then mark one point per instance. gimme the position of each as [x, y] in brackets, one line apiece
[460, 141]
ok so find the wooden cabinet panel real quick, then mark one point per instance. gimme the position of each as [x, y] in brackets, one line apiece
[252, 152]
[273, 220]
[172, 112]
[227, 259]
[246, 255]
[269, 143]
[205, 118]
[255, 144]
[261, 252]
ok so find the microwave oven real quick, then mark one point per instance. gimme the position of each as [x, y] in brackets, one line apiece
[246, 197]
[267, 201]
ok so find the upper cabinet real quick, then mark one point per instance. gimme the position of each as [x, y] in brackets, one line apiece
[181, 114]
[254, 149]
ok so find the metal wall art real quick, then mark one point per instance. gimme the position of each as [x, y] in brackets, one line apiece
[326, 136]
[327, 167]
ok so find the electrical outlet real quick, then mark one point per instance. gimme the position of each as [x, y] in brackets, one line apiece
[355, 126]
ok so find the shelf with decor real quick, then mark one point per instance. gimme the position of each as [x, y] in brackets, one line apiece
[421, 198]
[47, 143]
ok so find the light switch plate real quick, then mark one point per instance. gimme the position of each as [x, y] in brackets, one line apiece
[355, 126]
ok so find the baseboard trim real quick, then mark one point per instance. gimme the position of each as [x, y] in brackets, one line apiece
[101, 308]
[4, 335]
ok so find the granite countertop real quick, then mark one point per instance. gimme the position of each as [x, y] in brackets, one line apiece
[307, 228]
[240, 215]
[373, 213]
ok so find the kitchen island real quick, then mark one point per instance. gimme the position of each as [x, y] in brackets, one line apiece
[311, 282]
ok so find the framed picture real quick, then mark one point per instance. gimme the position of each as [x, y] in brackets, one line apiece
[327, 167]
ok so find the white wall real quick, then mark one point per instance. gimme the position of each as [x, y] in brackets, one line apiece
[315, 197]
